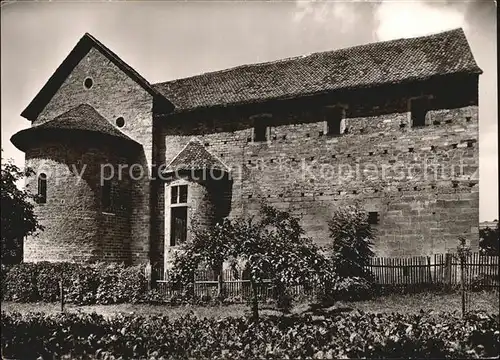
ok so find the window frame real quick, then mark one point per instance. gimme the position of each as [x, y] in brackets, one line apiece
[178, 195]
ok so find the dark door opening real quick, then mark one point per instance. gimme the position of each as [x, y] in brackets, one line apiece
[178, 225]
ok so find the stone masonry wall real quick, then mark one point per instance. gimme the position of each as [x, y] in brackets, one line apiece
[114, 95]
[300, 169]
[76, 226]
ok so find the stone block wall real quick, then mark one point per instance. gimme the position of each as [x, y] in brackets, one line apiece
[419, 180]
[77, 228]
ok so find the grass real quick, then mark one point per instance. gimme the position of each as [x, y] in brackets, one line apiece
[488, 302]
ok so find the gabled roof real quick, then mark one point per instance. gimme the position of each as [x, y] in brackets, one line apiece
[195, 156]
[81, 118]
[388, 62]
[79, 51]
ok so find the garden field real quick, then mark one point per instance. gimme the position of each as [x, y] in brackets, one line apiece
[355, 334]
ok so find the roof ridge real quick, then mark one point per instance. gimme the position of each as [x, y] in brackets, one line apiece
[291, 58]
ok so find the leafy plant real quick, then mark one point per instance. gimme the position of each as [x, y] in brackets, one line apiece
[270, 246]
[18, 219]
[350, 335]
[489, 240]
[20, 283]
[351, 241]
[82, 283]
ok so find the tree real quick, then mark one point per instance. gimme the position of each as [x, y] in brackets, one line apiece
[350, 250]
[489, 240]
[272, 245]
[18, 218]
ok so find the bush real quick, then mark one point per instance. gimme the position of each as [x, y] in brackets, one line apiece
[350, 250]
[108, 289]
[20, 283]
[49, 276]
[83, 284]
[353, 289]
[351, 335]
[132, 284]
[3, 283]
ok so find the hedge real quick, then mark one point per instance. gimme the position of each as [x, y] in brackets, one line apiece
[352, 335]
[82, 284]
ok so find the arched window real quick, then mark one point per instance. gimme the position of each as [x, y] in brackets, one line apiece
[42, 188]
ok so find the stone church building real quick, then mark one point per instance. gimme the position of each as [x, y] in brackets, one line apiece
[126, 168]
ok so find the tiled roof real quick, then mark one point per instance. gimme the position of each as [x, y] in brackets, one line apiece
[80, 118]
[373, 64]
[195, 156]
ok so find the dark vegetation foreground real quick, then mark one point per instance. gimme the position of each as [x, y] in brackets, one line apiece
[348, 335]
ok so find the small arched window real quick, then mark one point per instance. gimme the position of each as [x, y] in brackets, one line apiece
[42, 188]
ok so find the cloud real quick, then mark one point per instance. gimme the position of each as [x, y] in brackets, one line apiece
[416, 18]
[342, 13]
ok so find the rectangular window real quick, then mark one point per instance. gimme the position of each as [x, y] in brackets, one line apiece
[106, 196]
[179, 194]
[418, 108]
[334, 120]
[260, 132]
[373, 218]
[42, 189]
[178, 225]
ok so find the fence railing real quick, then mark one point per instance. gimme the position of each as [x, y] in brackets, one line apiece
[439, 270]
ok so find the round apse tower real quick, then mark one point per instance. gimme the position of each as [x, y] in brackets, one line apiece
[83, 203]
[197, 194]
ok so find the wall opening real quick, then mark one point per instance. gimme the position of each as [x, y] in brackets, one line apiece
[120, 121]
[88, 83]
[42, 189]
[373, 218]
[260, 131]
[418, 109]
[334, 121]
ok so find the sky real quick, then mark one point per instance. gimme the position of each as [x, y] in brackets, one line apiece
[169, 40]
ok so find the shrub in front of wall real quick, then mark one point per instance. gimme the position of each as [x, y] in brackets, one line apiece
[83, 285]
[4, 271]
[49, 276]
[108, 290]
[20, 283]
[132, 284]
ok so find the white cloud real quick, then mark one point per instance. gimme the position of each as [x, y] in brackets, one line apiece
[341, 13]
[415, 18]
